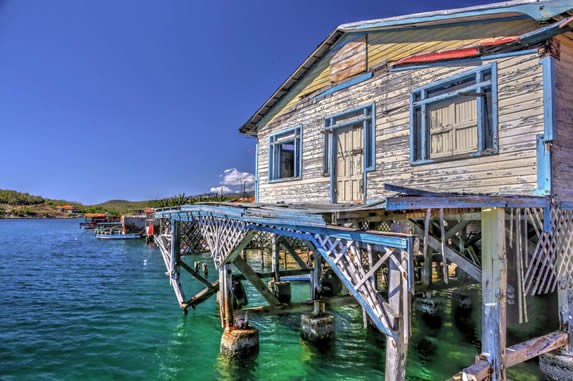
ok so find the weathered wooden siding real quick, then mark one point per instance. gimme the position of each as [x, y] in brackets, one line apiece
[520, 117]
[394, 45]
[562, 149]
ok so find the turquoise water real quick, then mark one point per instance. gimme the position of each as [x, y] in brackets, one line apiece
[75, 308]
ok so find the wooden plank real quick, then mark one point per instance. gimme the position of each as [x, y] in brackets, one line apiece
[476, 372]
[494, 289]
[516, 354]
[252, 277]
[201, 296]
[293, 253]
[453, 256]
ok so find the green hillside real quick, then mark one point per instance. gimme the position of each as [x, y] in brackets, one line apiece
[14, 204]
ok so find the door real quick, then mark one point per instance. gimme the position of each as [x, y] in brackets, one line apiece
[349, 159]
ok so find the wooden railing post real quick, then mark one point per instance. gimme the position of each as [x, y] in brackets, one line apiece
[494, 287]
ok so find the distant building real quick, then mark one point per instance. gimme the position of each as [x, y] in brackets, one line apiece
[67, 209]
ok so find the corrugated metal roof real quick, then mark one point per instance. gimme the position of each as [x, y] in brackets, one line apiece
[539, 10]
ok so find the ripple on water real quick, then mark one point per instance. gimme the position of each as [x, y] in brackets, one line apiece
[76, 308]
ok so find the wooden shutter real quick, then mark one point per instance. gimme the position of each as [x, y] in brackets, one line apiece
[453, 127]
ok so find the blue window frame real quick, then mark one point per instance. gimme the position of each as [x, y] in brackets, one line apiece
[455, 118]
[362, 116]
[285, 154]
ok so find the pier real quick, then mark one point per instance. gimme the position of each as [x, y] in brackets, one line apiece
[380, 254]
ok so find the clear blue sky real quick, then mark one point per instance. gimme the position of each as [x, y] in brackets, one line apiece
[140, 99]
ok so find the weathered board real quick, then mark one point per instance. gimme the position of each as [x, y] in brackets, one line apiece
[562, 148]
[388, 46]
[512, 170]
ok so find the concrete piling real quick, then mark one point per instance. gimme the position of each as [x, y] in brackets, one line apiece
[239, 343]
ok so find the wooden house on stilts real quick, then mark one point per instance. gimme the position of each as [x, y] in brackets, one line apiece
[392, 142]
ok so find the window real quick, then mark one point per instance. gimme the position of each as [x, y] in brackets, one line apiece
[361, 117]
[285, 154]
[455, 118]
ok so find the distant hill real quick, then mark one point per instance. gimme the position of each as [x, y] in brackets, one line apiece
[14, 204]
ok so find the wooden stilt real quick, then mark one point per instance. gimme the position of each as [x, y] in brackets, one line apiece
[396, 350]
[228, 296]
[494, 288]
[315, 276]
[427, 269]
[275, 257]
[248, 272]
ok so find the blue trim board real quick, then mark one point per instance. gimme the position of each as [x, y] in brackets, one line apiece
[257, 171]
[543, 167]
[538, 10]
[343, 85]
[549, 97]
[296, 133]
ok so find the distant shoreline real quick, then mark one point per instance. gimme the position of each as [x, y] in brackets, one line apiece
[39, 218]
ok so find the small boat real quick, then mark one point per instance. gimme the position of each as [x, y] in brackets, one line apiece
[114, 231]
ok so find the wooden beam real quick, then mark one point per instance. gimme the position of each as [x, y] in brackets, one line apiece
[412, 191]
[252, 277]
[293, 253]
[191, 271]
[240, 247]
[299, 307]
[453, 256]
[271, 274]
[517, 354]
[201, 296]
[464, 201]
[494, 289]
[476, 372]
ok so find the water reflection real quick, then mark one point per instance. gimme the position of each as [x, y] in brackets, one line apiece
[235, 369]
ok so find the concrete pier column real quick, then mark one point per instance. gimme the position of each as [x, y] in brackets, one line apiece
[317, 328]
[240, 343]
[558, 365]
[281, 289]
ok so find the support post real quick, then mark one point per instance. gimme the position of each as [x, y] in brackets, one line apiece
[275, 257]
[494, 289]
[226, 296]
[427, 268]
[315, 275]
[396, 350]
